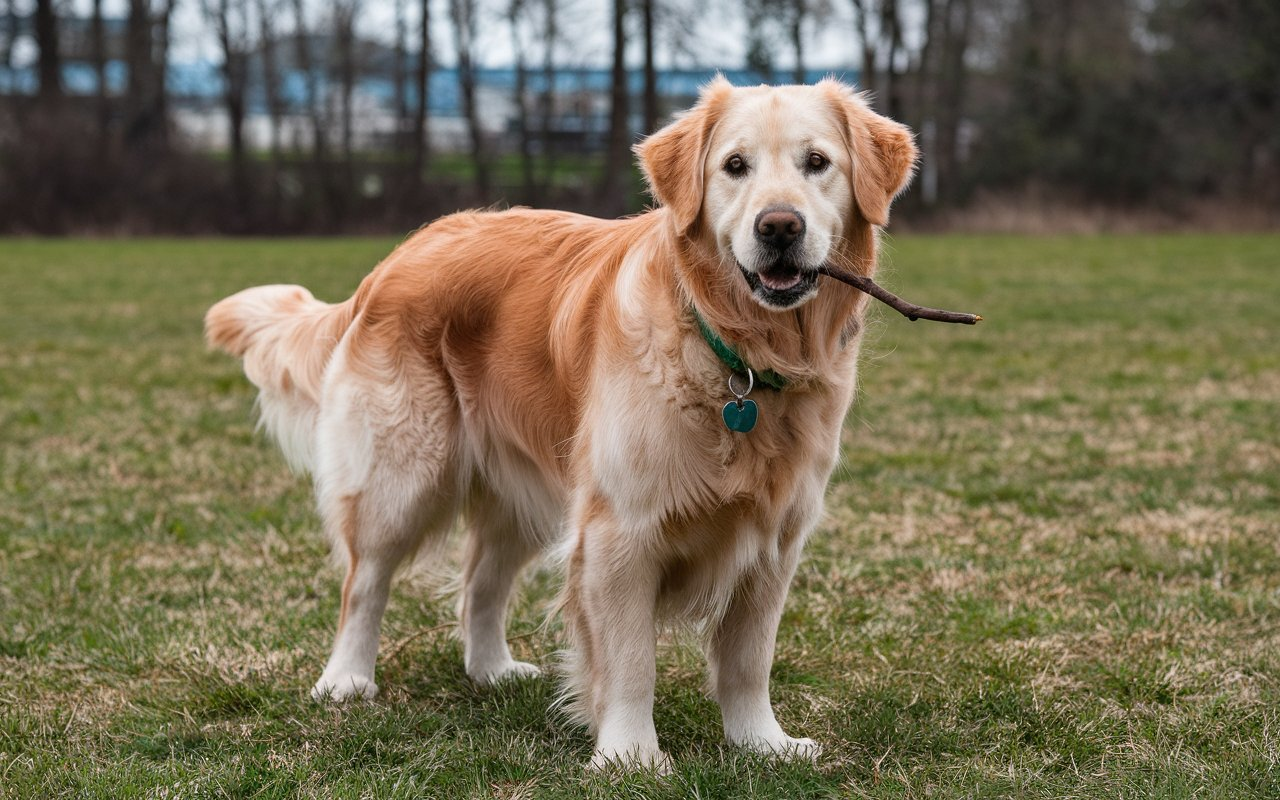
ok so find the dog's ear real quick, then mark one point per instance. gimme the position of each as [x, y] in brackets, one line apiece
[674, 158]
[882, 152]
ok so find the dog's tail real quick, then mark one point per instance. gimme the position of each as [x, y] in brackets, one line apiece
[285, 337]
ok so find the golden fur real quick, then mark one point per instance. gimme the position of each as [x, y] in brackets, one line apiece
[542, 372]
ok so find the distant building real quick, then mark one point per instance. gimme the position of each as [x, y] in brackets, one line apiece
[578, 101]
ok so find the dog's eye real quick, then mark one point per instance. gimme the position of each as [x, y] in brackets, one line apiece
[735, 165]
[816, 162]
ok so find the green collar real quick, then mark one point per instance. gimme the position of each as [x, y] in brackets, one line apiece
[730, 358]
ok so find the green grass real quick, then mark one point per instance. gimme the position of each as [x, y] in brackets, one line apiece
[1051, 564]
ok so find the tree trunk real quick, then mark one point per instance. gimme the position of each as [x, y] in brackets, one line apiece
[952, 97]
[868, 80]
[923, 70]
[146, 43]
[761, 48]
[160, 73]
[650, 71]
[521, 101]
[137, 56]
[528, 180]
[98, 48]
[332, 193]
[50, 59]
[547, 103]
[421, 145]
[924, 102]
[302, 54]
[344, 20]
[463, 12]
[399, 78]
[271, 86]
[798, 12]
[233, 37]
[891, 32]
[617, 152]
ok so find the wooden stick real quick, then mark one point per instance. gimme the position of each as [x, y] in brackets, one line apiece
[911, 311]
[395, 651]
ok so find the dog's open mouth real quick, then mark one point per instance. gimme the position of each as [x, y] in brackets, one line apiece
[781, 284]
[779, 276]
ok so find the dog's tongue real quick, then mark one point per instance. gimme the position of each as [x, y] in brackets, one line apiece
[779, 277]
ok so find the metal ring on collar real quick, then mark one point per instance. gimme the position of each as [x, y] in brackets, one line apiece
[751, 382]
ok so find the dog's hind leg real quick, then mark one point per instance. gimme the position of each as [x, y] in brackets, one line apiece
[378, 535]
[497, 549]
[386, 480]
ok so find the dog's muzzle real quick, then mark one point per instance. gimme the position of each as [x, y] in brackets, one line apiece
[782, 282]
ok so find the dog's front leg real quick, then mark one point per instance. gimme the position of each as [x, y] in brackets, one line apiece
[740, 655]
[610, 605]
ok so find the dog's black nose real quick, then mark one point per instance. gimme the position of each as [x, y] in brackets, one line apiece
[779, 227]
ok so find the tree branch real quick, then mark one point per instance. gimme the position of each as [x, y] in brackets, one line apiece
[909, 310]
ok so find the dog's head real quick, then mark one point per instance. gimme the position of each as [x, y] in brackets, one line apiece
[774, 178]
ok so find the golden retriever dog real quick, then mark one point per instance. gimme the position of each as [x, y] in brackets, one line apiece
[658, 399]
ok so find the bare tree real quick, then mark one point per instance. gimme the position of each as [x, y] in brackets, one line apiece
[163, 28]
[399, 76]
[345, 13]
[891, 35]
[98, 52]
[547, 102]
[423, 82]
[516, 23]
[879, 25]
[147, 59]
[951, 93]
[463, 14]
[50, 59]
[761, 48]
[923, 66]
[864, 14]
[268, 42]
[334, 195]
[230, 21]
[772, 22]
[650, 71]
[797, 11]
[302, 55]
[617, 154]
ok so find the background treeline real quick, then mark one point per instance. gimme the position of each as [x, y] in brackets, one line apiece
[309, 118]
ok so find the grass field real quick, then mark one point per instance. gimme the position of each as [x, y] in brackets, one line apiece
[1051, 564]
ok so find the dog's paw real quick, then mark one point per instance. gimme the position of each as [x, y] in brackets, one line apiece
[632, 760]
[786, 747]
[511, 670]
[340, 688]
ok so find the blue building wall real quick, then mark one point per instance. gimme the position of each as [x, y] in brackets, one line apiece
[200, 83]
